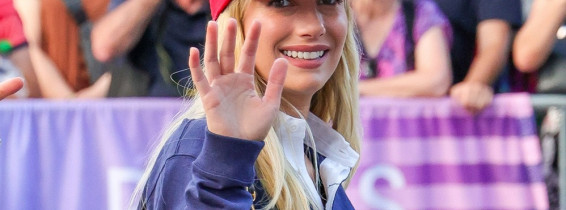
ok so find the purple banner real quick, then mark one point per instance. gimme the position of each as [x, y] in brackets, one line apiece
[417, 153]
[76, 154]
[431, 154]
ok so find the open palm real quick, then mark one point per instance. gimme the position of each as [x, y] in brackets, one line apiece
[232, 106]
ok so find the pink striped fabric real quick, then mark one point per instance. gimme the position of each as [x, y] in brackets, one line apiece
[432, 154]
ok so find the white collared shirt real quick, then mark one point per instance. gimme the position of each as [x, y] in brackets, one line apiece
[340, 157]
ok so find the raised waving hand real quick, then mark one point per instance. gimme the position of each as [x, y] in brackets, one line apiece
[232, 106]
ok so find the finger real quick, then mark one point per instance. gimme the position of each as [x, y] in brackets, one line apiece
[486, 96]
[456, 94]
[482, 103]
[480, 99]
[228, 45]
[275, 82]
[489, 96]
[199, 80]
[247, 57]
[472, 103]
[210, 52]
[471, 99]
[472, 109]
[10, 87]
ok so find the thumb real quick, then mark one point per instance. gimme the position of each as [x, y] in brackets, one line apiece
[275, 82]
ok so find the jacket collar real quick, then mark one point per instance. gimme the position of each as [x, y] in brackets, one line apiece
[339, 159]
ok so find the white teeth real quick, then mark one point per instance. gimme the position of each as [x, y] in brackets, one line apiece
[304, 55]
[314, 54]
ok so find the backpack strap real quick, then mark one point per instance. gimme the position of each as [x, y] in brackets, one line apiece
[164, 60]
[75, 8]
[371, 69]
[409, 12]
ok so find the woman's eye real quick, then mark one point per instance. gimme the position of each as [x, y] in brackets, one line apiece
[280, 3]
[330, 2]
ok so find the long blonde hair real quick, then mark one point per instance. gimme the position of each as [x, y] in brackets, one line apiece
[336, 102]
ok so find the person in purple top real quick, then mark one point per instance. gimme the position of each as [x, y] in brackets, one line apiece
[406, 48]
[275, 124]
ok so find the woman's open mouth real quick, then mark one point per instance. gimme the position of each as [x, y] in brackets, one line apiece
[304, 55]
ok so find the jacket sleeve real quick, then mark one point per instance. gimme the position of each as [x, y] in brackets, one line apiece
[221, 173]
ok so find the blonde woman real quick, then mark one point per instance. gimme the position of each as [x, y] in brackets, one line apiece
[275, 125]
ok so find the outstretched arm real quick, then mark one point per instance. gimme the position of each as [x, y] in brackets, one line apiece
[50, 81]
[534, 40]
[432, 75]
[119, 30]
[493, 42]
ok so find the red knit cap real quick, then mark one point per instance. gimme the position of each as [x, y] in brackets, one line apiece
[217, 6]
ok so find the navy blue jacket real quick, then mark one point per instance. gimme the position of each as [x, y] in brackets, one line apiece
[197, 169]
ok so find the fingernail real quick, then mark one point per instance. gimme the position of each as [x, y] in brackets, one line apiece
[282, 60]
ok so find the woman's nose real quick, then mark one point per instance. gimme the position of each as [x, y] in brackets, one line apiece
[311, 24]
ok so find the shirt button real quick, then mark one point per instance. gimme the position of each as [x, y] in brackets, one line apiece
[293, 128]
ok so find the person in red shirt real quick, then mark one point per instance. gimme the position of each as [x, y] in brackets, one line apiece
[13, 45]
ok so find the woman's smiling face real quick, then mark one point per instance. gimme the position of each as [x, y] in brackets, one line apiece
[309, 34]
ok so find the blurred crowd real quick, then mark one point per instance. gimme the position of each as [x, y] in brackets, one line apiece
[468, 50]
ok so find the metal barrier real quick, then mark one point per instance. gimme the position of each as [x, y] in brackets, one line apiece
[541, 103]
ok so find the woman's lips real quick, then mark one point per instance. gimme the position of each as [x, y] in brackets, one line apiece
[310, 61]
